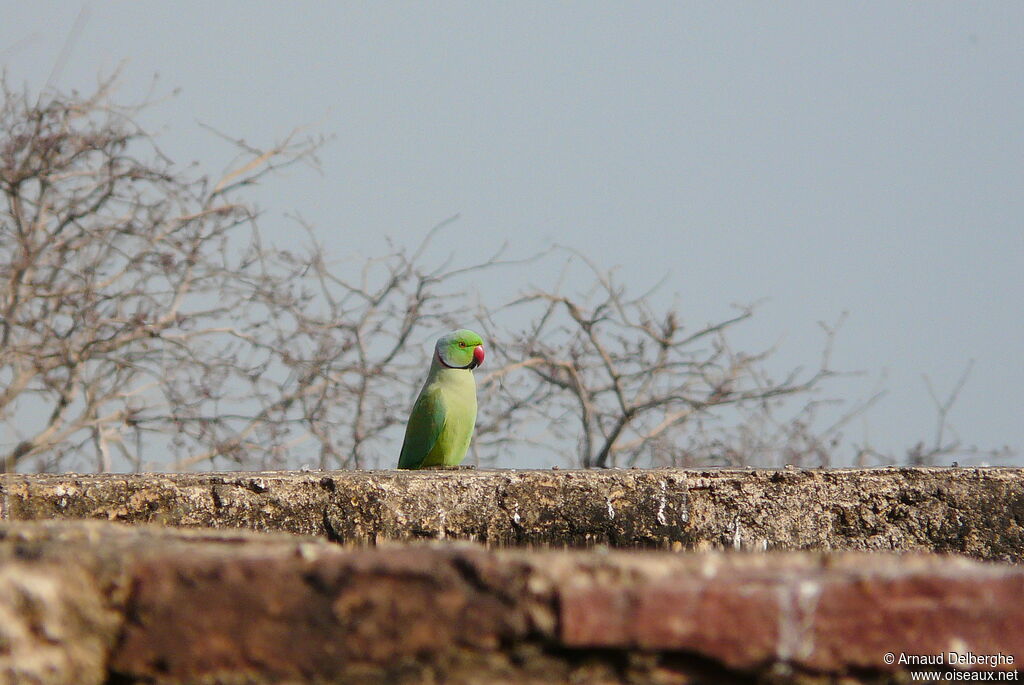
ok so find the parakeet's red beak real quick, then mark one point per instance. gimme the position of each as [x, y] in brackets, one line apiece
[478, 356]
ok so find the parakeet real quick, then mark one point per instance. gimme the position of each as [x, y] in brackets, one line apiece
[442, 419]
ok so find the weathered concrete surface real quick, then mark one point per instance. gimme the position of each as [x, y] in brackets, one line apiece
[154, 605]
[977, 512]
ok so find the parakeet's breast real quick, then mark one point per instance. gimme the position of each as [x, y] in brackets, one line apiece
[457, 396]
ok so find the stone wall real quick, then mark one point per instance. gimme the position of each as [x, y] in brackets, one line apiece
[244, 582]
[97, 602]
[976, 512]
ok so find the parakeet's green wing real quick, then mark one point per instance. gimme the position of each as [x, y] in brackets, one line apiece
[425, 425]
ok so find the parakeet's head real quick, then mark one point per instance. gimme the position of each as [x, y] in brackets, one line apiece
[461, 349]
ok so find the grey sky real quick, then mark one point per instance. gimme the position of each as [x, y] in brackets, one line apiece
[828, 156]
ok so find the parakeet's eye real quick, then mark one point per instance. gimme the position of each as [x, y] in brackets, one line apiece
[462, 344]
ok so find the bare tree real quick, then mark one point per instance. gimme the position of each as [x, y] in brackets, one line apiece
[144, 324]
[351, 350]
[945, 448]
[123, 281]
[631, 384]
[143, 321]
[138, 302]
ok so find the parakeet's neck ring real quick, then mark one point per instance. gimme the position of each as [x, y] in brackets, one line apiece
[468, 367]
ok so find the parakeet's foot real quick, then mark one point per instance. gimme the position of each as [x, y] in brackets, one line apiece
[445, 467]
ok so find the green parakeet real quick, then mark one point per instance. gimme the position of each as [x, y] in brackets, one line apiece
[442, 419]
